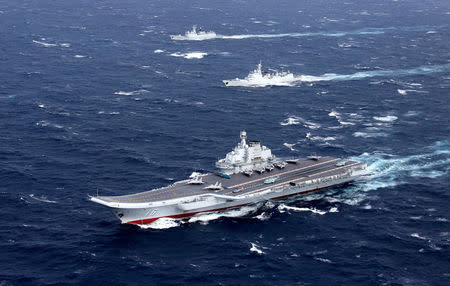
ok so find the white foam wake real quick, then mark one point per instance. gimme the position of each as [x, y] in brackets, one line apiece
[194, 35]
[162, 223]
[282, 208]
[389, 170]
[257, 78]
[202, 218]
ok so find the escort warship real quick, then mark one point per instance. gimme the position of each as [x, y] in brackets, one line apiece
[249, 174]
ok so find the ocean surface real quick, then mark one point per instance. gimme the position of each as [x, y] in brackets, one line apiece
[96, 98]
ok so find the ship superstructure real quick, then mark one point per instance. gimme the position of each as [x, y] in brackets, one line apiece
[195, 35]
[247, 175]
[246, 157]
[258, 78]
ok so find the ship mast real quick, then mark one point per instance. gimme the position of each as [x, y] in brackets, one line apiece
[243, 138]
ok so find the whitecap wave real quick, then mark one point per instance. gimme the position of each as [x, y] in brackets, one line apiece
[255, 248]
[108, 112]
[158, 51]
[47, 45]
[406, 91]
[44, 123]
[334, 113]
[402, 91]
[290, 146]
[319, 138]
[257, 78]
[416, 235]
[338, 117]
[323, 260]
[282, 208]
[191, 55]
[411, 113]
[296, 120]
[387, 118]
[290, 121]
[369, 134]
[42, 199]
[128, 93]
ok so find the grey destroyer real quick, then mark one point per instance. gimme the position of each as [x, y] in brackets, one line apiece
[249, 174]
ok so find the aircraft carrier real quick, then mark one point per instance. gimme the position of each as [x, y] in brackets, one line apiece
[249, 174]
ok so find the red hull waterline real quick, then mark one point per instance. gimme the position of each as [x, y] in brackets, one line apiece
[185, 215]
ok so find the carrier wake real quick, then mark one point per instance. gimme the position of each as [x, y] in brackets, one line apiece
[249, 174]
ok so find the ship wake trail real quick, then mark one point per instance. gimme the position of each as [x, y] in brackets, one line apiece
[256, 79]
[386, 171]
[422, 70]
[389, 170]
[211, 35]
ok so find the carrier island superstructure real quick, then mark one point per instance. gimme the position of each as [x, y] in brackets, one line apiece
[249, 174]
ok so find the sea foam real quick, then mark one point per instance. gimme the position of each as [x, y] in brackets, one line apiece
[296, 120]
[255, 248]
[387, 118]
[390, 170]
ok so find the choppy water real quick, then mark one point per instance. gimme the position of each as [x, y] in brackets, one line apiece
[96, 98]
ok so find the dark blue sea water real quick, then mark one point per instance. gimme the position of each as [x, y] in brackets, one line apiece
[96, 98]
